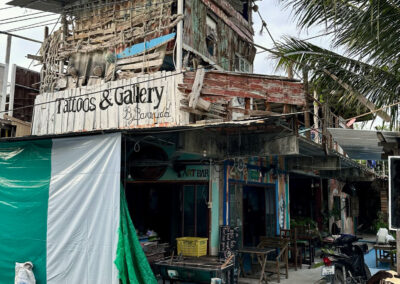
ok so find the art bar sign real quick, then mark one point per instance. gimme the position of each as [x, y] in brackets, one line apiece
[145, 101]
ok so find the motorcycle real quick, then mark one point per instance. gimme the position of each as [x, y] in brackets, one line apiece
[345, 264]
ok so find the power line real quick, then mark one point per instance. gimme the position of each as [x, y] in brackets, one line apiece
[30, 64]
[20, 20]
[22, 16]
[27, 27]
[129, 9]
[7, 8]
[22, 37]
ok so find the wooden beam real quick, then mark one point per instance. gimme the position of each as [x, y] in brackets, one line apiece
[196, 88]
[141, 65]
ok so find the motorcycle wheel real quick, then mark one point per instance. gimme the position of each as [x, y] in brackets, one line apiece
[338, 278]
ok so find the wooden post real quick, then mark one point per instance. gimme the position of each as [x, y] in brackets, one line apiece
[63, 37]
[267, 106]
[247, 105]
[179, 38]
[5, 78]
[306, 107]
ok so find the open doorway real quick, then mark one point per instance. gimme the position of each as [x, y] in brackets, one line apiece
[259, 214]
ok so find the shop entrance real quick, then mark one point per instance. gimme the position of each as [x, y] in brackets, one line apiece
[171, 210]
[259, 215]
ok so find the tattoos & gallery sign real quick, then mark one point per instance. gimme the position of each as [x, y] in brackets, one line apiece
[119, 104]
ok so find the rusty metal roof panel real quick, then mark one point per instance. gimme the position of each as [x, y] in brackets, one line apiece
[358, 144]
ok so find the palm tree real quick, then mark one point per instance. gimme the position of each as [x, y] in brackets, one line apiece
[369, 32]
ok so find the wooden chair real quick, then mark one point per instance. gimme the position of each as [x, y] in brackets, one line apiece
[305, 242]
[281, 259]
[295, 251]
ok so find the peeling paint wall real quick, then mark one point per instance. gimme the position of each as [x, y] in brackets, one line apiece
[268, 171]
[346, 222]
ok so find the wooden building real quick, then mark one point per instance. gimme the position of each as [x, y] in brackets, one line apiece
[205, 141]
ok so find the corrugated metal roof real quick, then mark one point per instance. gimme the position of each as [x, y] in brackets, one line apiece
[362, 144]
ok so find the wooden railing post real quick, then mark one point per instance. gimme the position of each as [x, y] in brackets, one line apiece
[306, 107]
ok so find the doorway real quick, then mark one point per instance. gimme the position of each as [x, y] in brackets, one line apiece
[259, 214]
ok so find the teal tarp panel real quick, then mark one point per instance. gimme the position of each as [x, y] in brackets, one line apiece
[25, 169]
[131, 261]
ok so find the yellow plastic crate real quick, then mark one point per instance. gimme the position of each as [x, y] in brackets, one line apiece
[192, 246]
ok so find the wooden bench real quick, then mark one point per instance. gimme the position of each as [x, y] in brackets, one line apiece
[281, 259]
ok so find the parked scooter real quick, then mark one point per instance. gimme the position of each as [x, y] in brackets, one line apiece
[345, 264]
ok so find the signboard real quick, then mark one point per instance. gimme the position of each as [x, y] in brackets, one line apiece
[394, 193]
[146, 101]
[229, 245]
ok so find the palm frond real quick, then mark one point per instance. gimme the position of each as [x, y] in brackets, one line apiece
[369, 29]
[333, 71]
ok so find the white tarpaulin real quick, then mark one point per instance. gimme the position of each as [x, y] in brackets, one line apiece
[83, 210]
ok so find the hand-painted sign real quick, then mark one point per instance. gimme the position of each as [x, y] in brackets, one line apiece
[146, 101]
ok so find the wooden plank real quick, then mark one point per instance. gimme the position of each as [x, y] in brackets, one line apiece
[197, 86]
[52, 115]
[71, 115]
[138, 58]
[79, 117]
[123, 109]
[90, 115]
[112, 112]
[195, 111]
[58, 116]
[141, 65]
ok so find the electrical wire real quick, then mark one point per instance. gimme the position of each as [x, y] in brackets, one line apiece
[6, 8]
[30, 64]
[34, 25]
[20, 20]
[22, 16]
[129, 9]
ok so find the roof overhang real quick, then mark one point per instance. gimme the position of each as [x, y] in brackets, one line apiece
[53, 6]
[366, 144]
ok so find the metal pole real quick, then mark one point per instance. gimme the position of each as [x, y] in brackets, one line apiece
[21, 37]
[5, 78]
[397, 251]
[179, 38]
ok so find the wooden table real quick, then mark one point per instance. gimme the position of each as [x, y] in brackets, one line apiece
[385, 253]
[262, 255]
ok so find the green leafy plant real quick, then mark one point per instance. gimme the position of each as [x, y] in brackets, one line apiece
[379, 222]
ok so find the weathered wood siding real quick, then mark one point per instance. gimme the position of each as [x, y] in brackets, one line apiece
[111, 105]
[224, 86]
[233, 32]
